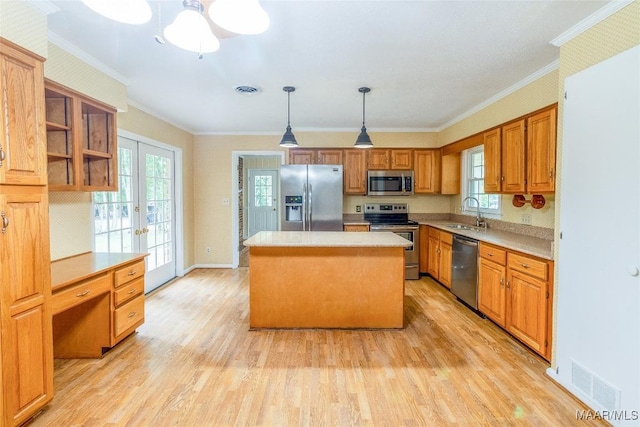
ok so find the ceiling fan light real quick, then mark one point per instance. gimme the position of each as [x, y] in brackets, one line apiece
[239, 16]
[190, 31]
[125, 11]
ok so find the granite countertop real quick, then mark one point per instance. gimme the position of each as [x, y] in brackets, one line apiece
[535, 246]
[326, 239]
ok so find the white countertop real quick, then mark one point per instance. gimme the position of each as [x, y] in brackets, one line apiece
[326, 239]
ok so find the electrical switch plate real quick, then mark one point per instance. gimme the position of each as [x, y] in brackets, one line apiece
[225, 201]
[526, 219]
[358, 208]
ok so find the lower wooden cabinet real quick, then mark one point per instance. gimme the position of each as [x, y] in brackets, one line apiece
[356, 227]
[514, 290]
[439, 256]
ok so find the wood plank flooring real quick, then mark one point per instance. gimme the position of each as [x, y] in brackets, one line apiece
[195, 363]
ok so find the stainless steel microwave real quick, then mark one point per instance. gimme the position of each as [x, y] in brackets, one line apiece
[389, 183]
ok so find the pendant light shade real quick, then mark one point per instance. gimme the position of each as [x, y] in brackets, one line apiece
[190, 30]
[363, 141]
[239, 16]
[125, 11]
[288, 139]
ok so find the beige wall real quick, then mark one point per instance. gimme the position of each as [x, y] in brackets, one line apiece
[24, 24]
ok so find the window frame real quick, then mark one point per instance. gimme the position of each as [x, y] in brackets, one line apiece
[469, 207]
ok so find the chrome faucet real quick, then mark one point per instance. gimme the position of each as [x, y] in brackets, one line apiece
[479, 221]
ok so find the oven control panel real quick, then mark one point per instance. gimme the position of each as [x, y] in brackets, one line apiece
[390, 208]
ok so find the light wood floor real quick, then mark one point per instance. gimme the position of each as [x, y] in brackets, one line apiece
[195, 363]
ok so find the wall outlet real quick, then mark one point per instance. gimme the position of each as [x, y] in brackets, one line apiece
[526, 219]
[225, 201]
[207, 249]
[358, 208]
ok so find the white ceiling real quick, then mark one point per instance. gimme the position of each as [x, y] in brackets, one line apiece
[427, 62]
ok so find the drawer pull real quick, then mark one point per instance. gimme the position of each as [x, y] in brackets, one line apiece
[524, 265]
[489, 253]
[83, 294]
[132, 314]
[132, 273]
[132, 291]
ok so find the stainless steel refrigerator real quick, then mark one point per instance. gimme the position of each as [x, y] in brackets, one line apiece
[311, 197]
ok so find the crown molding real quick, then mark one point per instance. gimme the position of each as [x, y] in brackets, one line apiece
[85, 57]
[591, 20]
[45, 5]
[500, 95]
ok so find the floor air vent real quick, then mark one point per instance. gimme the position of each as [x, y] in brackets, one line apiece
[594, 387]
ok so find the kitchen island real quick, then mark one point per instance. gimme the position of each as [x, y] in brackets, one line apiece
[326, 279]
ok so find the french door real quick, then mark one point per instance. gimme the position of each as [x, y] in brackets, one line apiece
[140, 216]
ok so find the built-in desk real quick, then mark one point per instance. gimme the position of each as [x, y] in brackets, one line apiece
[97, 301]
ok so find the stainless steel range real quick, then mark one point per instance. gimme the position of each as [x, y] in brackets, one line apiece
[394, 217]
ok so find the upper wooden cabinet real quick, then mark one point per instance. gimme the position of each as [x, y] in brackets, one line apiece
[377, 159]
[541, 152]
[426, 172]
[519, 158]
[385, 159]
[22, 134]
[492, 160]
[355, 171]
[81, 142]
[315, 156]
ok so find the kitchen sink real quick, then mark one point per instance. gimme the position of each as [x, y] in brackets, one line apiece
[462, 227]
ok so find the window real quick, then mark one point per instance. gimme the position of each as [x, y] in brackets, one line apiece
[263, 185]
[473, 184]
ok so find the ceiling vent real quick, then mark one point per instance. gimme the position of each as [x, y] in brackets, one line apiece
[246, 90]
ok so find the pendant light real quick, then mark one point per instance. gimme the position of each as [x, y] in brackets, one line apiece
[363, 141]
[239, 16]
[191, 31]
[288, 139]
[125, 11]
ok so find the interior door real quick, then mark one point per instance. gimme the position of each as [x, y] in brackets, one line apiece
[157, 212]
[262, 201]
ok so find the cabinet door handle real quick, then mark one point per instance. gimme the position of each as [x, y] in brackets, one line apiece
[83, 294]
[132, 273]
[132, 291]
[3, 155]
[551, 173]
[502, 178]
[5, 222]
[508, 284]
[502, 282]
[132, 314]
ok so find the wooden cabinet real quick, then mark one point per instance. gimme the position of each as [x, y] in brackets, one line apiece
[514, 290]
[356, 227]
[426, 173]
[424, 249]
[22, 147]
[492, 273]
[315, 156]
[513, 167]
[377, 159]
[492, 161]
[355, 171]
[385, 159]
[81, 142]
[439, 256]
[541, 152]
[521, 159]
[450, 174]
[26, 371]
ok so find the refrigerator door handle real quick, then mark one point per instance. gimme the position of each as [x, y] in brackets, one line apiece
[310, 206]
[304, 207]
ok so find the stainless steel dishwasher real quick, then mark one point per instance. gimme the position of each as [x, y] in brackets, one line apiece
[464, 270]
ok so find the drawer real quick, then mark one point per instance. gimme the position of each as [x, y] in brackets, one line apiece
[434, 232]
[493, 253]
[129, 315]
[128, 273]
[129, 291]
[80, 292]
[531, 266]
[446, 237]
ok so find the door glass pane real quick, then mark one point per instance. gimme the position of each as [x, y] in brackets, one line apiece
[263, 190]
[159, 238]
[113, 211]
